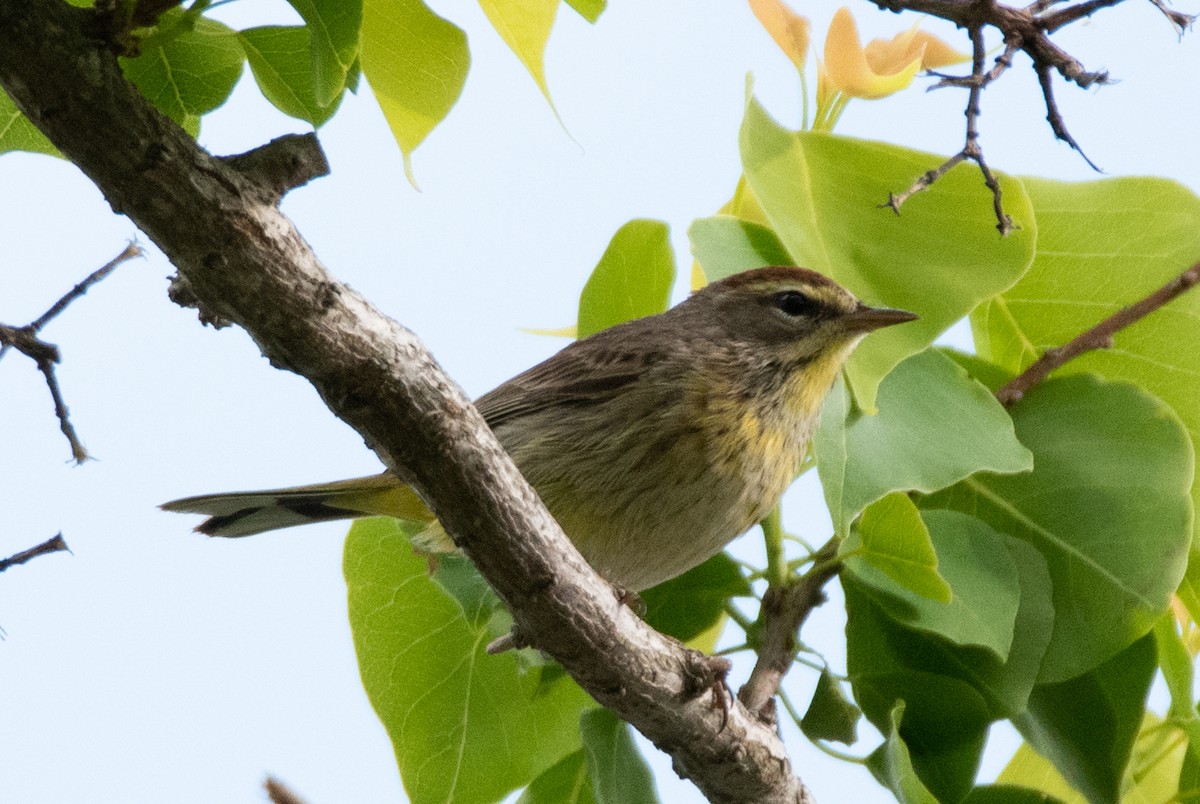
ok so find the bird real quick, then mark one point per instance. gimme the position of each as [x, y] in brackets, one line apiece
[654, 443]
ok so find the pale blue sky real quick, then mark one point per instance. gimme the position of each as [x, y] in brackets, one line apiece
[156, 665]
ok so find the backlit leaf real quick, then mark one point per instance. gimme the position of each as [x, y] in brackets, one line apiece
[281, 61]
[632, 279]
[465, 726]
[416, 63]
[188, 66]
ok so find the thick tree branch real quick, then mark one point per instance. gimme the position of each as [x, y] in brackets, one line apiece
[1098, 337]
[45, 355]
[246, 262]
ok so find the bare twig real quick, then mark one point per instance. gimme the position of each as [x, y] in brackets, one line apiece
[1054, 117]
[1098, 337]
[45, 355]
[971, 150]
[280, 793]
[784, 609]
[1025, 29]
[54, 544]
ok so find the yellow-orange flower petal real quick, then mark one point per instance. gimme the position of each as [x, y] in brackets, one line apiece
[847, 67]
[938, 53]
[786, 27]
[886, 56]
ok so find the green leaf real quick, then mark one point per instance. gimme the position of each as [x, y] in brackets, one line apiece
[980, 570]
[725, 245]
[830, 715]
[1009, 794]
[891, 764]
[619, 773]
[1103, 245]
[1086, 726]
[935, 427]
[892, 539]
[417, 63]
[822, 193]
[1031, 769]
[590, 10]
[632, 279]
[465, 726]
[334, 27]
[188, 66]
[1112, 468]
[691, 604]
[567, 782]
[280, 59]
[1158, 770]
[945, 719]
[885, 652]
[525, 26]
[17, 133]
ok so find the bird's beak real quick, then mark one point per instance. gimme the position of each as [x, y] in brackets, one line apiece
[867, 319]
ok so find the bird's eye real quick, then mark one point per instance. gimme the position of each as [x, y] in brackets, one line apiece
[795, 303]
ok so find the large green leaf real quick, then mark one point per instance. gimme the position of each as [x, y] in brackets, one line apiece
[935, 426]
[188, 66]
[525, 26]
[17, 133]
[822, 194]
[981, 572]
[1107, 504]
[280, 58]
[334, 27]
[892, 545]
[1086, 726]
[466, 726]
[945, 717]
[951, 692]
[567, 782]
[725, 245]
[892, 767]
[1153, 775]
[619, 773]
[632, 279]
[1103, 245]
[416, 63]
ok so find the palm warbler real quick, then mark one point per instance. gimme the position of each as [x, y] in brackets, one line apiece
[653, 443]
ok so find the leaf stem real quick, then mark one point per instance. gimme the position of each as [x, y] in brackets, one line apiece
[777, 564]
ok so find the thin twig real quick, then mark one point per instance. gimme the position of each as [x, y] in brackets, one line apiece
[785, 607]
[45, 355]
[54, 544]
[1054, 116]
[1182, 22]
[1098, 337]
[132, 250]
[1025, 29]
[975, 84]
[280, 793]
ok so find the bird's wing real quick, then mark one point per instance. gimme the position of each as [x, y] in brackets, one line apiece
[585, 371]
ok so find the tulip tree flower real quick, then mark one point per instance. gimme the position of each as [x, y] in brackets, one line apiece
[849, 70]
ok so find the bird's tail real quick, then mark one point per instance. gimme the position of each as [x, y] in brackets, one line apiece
[247, 513]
